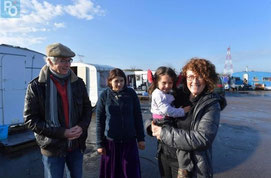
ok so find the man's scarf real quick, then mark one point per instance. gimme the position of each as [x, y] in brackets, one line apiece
[52, 118]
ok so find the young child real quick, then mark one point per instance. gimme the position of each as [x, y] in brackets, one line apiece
[163, 81]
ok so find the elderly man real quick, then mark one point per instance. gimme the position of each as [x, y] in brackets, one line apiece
[58, 110]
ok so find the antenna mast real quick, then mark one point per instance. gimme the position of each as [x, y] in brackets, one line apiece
[80, 57]
[228, 68]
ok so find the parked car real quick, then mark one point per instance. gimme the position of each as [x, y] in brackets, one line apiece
[226, 86]
[246, 87]
[219, 87]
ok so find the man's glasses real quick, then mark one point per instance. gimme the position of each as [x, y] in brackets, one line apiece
[64, 61]
[191, 78]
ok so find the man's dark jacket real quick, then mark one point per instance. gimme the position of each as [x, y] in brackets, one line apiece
[51, 139]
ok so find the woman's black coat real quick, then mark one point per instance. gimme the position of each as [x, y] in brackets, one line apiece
[198, 140]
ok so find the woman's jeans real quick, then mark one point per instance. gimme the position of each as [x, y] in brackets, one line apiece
[72, 162]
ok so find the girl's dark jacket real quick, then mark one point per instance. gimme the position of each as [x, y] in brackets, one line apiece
[199, 138]
[118, 117]
[51, 139]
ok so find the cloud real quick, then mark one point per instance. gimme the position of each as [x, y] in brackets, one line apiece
[22, 40]
[38, 18]
[81, 8]
[59, 25]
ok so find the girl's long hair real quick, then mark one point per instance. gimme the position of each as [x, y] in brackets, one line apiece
[157, 76]
[115, 73]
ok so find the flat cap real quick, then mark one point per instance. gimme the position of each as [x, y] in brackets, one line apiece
[59, 50]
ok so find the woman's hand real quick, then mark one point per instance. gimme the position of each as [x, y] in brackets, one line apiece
[101, 151]
[156, 131]
[141, 145]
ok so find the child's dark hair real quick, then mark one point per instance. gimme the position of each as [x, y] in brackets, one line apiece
[157, 76]
[115, 73]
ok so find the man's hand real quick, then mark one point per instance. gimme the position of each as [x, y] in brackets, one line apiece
[73, 133]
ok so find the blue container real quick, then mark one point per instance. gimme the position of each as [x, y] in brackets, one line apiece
[3, 132]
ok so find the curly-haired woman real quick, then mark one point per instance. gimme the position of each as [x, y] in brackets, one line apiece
[197, 132]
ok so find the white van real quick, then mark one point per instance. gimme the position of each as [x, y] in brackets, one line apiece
[95, 77]
[18, 66]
